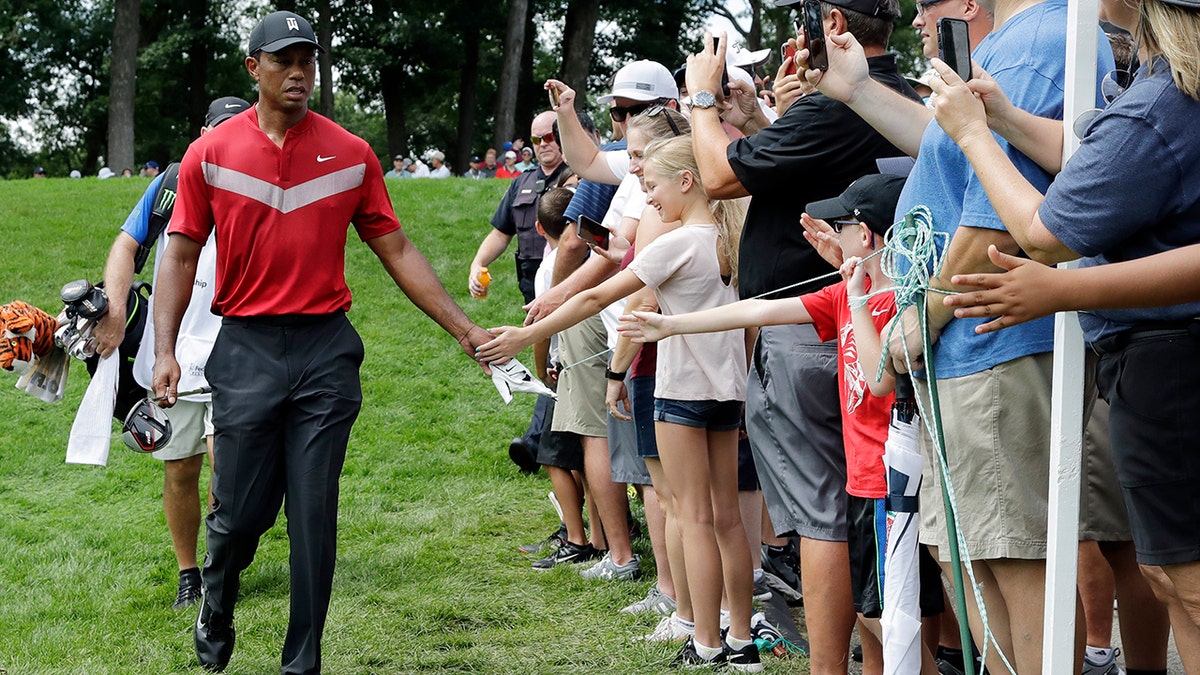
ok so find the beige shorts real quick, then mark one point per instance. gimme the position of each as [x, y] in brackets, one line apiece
[997, 436]
[581, 389]
[191, 424]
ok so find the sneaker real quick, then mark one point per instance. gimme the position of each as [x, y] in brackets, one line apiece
[745, 659]
[667, 630]
[781, 568]
[762, 591]
[524, 455]
[763, 633]
[946, 668]
[688, 659]
[213, 637]
[568, 553]
[611, 571]
[552, 542]
[189, 589]
[655, 601]
[1106, 667]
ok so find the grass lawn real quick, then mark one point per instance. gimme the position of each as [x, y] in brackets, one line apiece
[429, 578]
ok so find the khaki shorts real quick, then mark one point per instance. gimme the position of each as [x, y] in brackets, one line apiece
[191, 424]
[997, 437]
[581, 389]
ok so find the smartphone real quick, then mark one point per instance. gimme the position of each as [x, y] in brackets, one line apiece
[724, 70]
[814, 35]
[954, 45]
[593, 232]
[554, 97]
[788, 53]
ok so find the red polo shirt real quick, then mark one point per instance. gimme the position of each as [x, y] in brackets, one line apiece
[281, 214]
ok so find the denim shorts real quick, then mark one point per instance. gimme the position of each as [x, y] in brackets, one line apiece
[711, 415]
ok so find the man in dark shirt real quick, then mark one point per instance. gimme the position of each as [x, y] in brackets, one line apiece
[812, 152]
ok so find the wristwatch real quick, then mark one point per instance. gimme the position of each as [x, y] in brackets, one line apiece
[703, 99]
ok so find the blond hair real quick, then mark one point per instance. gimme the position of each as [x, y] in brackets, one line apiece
[659, 124]
[1174, 32]
[671, 157]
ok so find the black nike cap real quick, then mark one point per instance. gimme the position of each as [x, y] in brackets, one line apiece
[279, 30]
[224, 108]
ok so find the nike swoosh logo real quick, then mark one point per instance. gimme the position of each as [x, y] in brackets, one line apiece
[232, 105]
[324, 159]
[878, 312]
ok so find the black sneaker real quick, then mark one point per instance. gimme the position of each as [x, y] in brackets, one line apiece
[781, 565]
[524, 455]
[552, 542]
[214, 637]
[745, 659]
[568, 553]
[189, 589]
[689, 659]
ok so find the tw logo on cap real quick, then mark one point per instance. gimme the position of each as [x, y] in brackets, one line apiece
[292, 24]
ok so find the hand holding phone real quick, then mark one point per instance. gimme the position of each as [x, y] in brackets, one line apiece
[814, 35]
[554, 97]
[954, 45]
[788, 53]
[592, 232]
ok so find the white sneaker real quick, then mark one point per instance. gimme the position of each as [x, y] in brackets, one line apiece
[655, 601]
[667, 630]
[1106, 667]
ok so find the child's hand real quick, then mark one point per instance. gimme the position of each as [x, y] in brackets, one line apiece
[509, 341]
[855, 276]
[644, 327]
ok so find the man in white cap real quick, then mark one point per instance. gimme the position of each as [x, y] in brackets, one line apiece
[438, 159]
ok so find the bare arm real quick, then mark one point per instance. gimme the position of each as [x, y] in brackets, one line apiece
[622, 357]
[963, 117]
[708, 137]
[492, 247]
[118, 276]
[510, 341]
[899, 119]
[176, 274]
[579, 149]
[594, 270]
[867, 341]
[1029, 290]
[651, 327]
[416, 278]
[1039, 138]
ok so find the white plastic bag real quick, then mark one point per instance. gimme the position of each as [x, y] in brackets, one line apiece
[91, 433]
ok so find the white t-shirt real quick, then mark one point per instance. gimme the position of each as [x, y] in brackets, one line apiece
[683, 269]
[543, 279]
[618, 162]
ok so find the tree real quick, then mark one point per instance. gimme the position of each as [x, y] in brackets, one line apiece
[122, 74]
[510, 73]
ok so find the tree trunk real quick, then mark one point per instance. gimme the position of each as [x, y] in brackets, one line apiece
[122, 73]
[392, 87]
[325, 38]
[754, 37]
[531, 98]
[579, 38]
[468, 85]
[510, 73]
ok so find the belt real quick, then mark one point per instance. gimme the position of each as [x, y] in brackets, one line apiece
[1148, 331]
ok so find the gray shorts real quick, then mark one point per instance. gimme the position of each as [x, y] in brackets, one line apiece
[795, 428]
[191, 424]
[627, 465]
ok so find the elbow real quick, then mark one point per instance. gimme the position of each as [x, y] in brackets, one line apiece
[721, 185]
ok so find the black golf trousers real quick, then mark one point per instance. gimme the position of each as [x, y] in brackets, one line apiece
[286, 391]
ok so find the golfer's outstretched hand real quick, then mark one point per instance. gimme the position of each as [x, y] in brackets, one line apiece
[166, 379]
[474, 338]
[508, 341]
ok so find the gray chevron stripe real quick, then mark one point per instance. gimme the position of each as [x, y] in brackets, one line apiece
[284, 201]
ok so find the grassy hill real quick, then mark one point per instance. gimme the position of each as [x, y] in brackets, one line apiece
[429, 578]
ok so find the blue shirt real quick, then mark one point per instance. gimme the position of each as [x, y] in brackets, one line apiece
[137, 224]
[1026, 56]
[1132, 189]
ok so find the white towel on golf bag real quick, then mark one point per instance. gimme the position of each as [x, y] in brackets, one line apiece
[512, 376]
[91, 433]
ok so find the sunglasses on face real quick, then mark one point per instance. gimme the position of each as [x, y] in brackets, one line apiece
[924, 7]
[837, 225]
[619, 113]
[547, 138]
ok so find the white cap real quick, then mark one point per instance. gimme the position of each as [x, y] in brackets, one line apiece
[642, 81]
[510, 155]
[438, 155]
[742, 76]
[105, 172]
[744, 58]
[75, 173]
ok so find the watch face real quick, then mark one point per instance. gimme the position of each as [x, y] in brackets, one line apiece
[704, 99]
